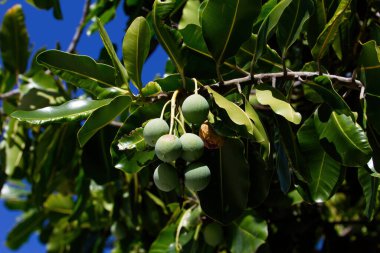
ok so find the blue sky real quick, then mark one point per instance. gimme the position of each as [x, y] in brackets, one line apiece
[45, 31]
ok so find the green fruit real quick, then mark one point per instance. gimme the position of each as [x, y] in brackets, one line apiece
[165, 177]
[168, 148]
[197, 176]
[195, 109]
[192, 147]
[154, 129]
[213, 234]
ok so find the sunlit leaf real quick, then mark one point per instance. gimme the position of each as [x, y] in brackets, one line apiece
[190, 14]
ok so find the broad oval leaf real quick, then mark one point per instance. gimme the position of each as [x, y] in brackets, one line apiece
[227, 24]
[325, 171]
[291, 23]
[14, 40]
[226, 196]
[72, 110]
[136, 45]
[342, 138]
[326, 38]
[248, 233]
[190, 14]
[101, 117]
[267, 95]
[80, 70]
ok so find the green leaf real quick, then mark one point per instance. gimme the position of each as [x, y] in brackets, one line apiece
[48, 4]
[135, 161]
[292, 22]
[267, 95]
[80, 70]
[14, 40]
[190, 14]
[325, 171]
[59, 203]
[236, 114]
[121, 72]
[326, 38]
[151, 89]
[101, 117]
[72, 110]
[135, 140]
[316, 22]
[165, 242]
[226, 196]
[370, 186]
[267, 27]
[30, 221]
[248, 233]
[14, 144]
[225, 35]
[342, 138]
[136, 45]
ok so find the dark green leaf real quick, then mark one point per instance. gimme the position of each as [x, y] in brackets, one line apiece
[135, 161]
[80, 70]
[325, 171]
[101, 117]
[136, 45]
[342, 138]
[316, 22]
[226, 196]
[14, 40]
[72, 110]
[248, 233]
[165, 242]
[224, 36]
[370, 186]
[326, 38]
[121, 72]
[291, 23]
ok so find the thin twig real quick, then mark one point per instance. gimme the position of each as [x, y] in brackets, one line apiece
[268, 77]
[80, 27]
[10, 94]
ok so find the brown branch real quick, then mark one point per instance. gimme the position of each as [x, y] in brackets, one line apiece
[80, 27]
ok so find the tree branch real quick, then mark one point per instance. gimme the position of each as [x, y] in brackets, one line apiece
[10, 94]
[80, 27]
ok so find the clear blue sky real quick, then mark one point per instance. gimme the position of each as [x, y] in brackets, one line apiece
[45, 31]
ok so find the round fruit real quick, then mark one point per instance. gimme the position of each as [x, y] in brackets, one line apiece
[192, 147]
[168, 148]
[195, 109]
[165, 177]
[213, 234]
[154, 129]
[197, 176]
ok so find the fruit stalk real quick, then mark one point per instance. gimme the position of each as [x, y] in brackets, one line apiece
[172, 111]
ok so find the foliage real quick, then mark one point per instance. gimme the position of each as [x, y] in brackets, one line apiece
[291, 140]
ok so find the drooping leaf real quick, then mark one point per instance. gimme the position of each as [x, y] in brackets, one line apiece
[14, 144]
[370, 186]
[224, 36]
[190, 14]
[72, 110]
[248, 233]
[165, 242]
[80, 70]
[267, 95]
[136, 45]
[325, 171]
[267, 27]
[226, 196]
[342, 138]
[316, 22]
[291, 23]
[121, 72]
[14, 40]
[326, 38]
[101, 117]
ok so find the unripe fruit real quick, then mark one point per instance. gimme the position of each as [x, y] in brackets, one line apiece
[195, 109]
[168, 148]
[192, 147]
[197, 176]
[154, 129]
[213, 234]
[165, 177]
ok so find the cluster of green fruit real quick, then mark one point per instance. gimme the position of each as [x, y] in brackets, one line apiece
[189, 147]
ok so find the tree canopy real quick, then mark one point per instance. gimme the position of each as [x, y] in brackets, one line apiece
[262, 135]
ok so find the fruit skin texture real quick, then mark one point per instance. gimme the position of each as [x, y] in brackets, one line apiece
[165, 177]
[192, 147]
[154, 129]
[168, 148]
[213, 234]
[197, 176]
[195, 109]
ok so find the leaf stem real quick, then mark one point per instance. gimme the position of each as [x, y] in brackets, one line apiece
[172, 110]
[164, 108]
[180, 123]
[195, 86]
